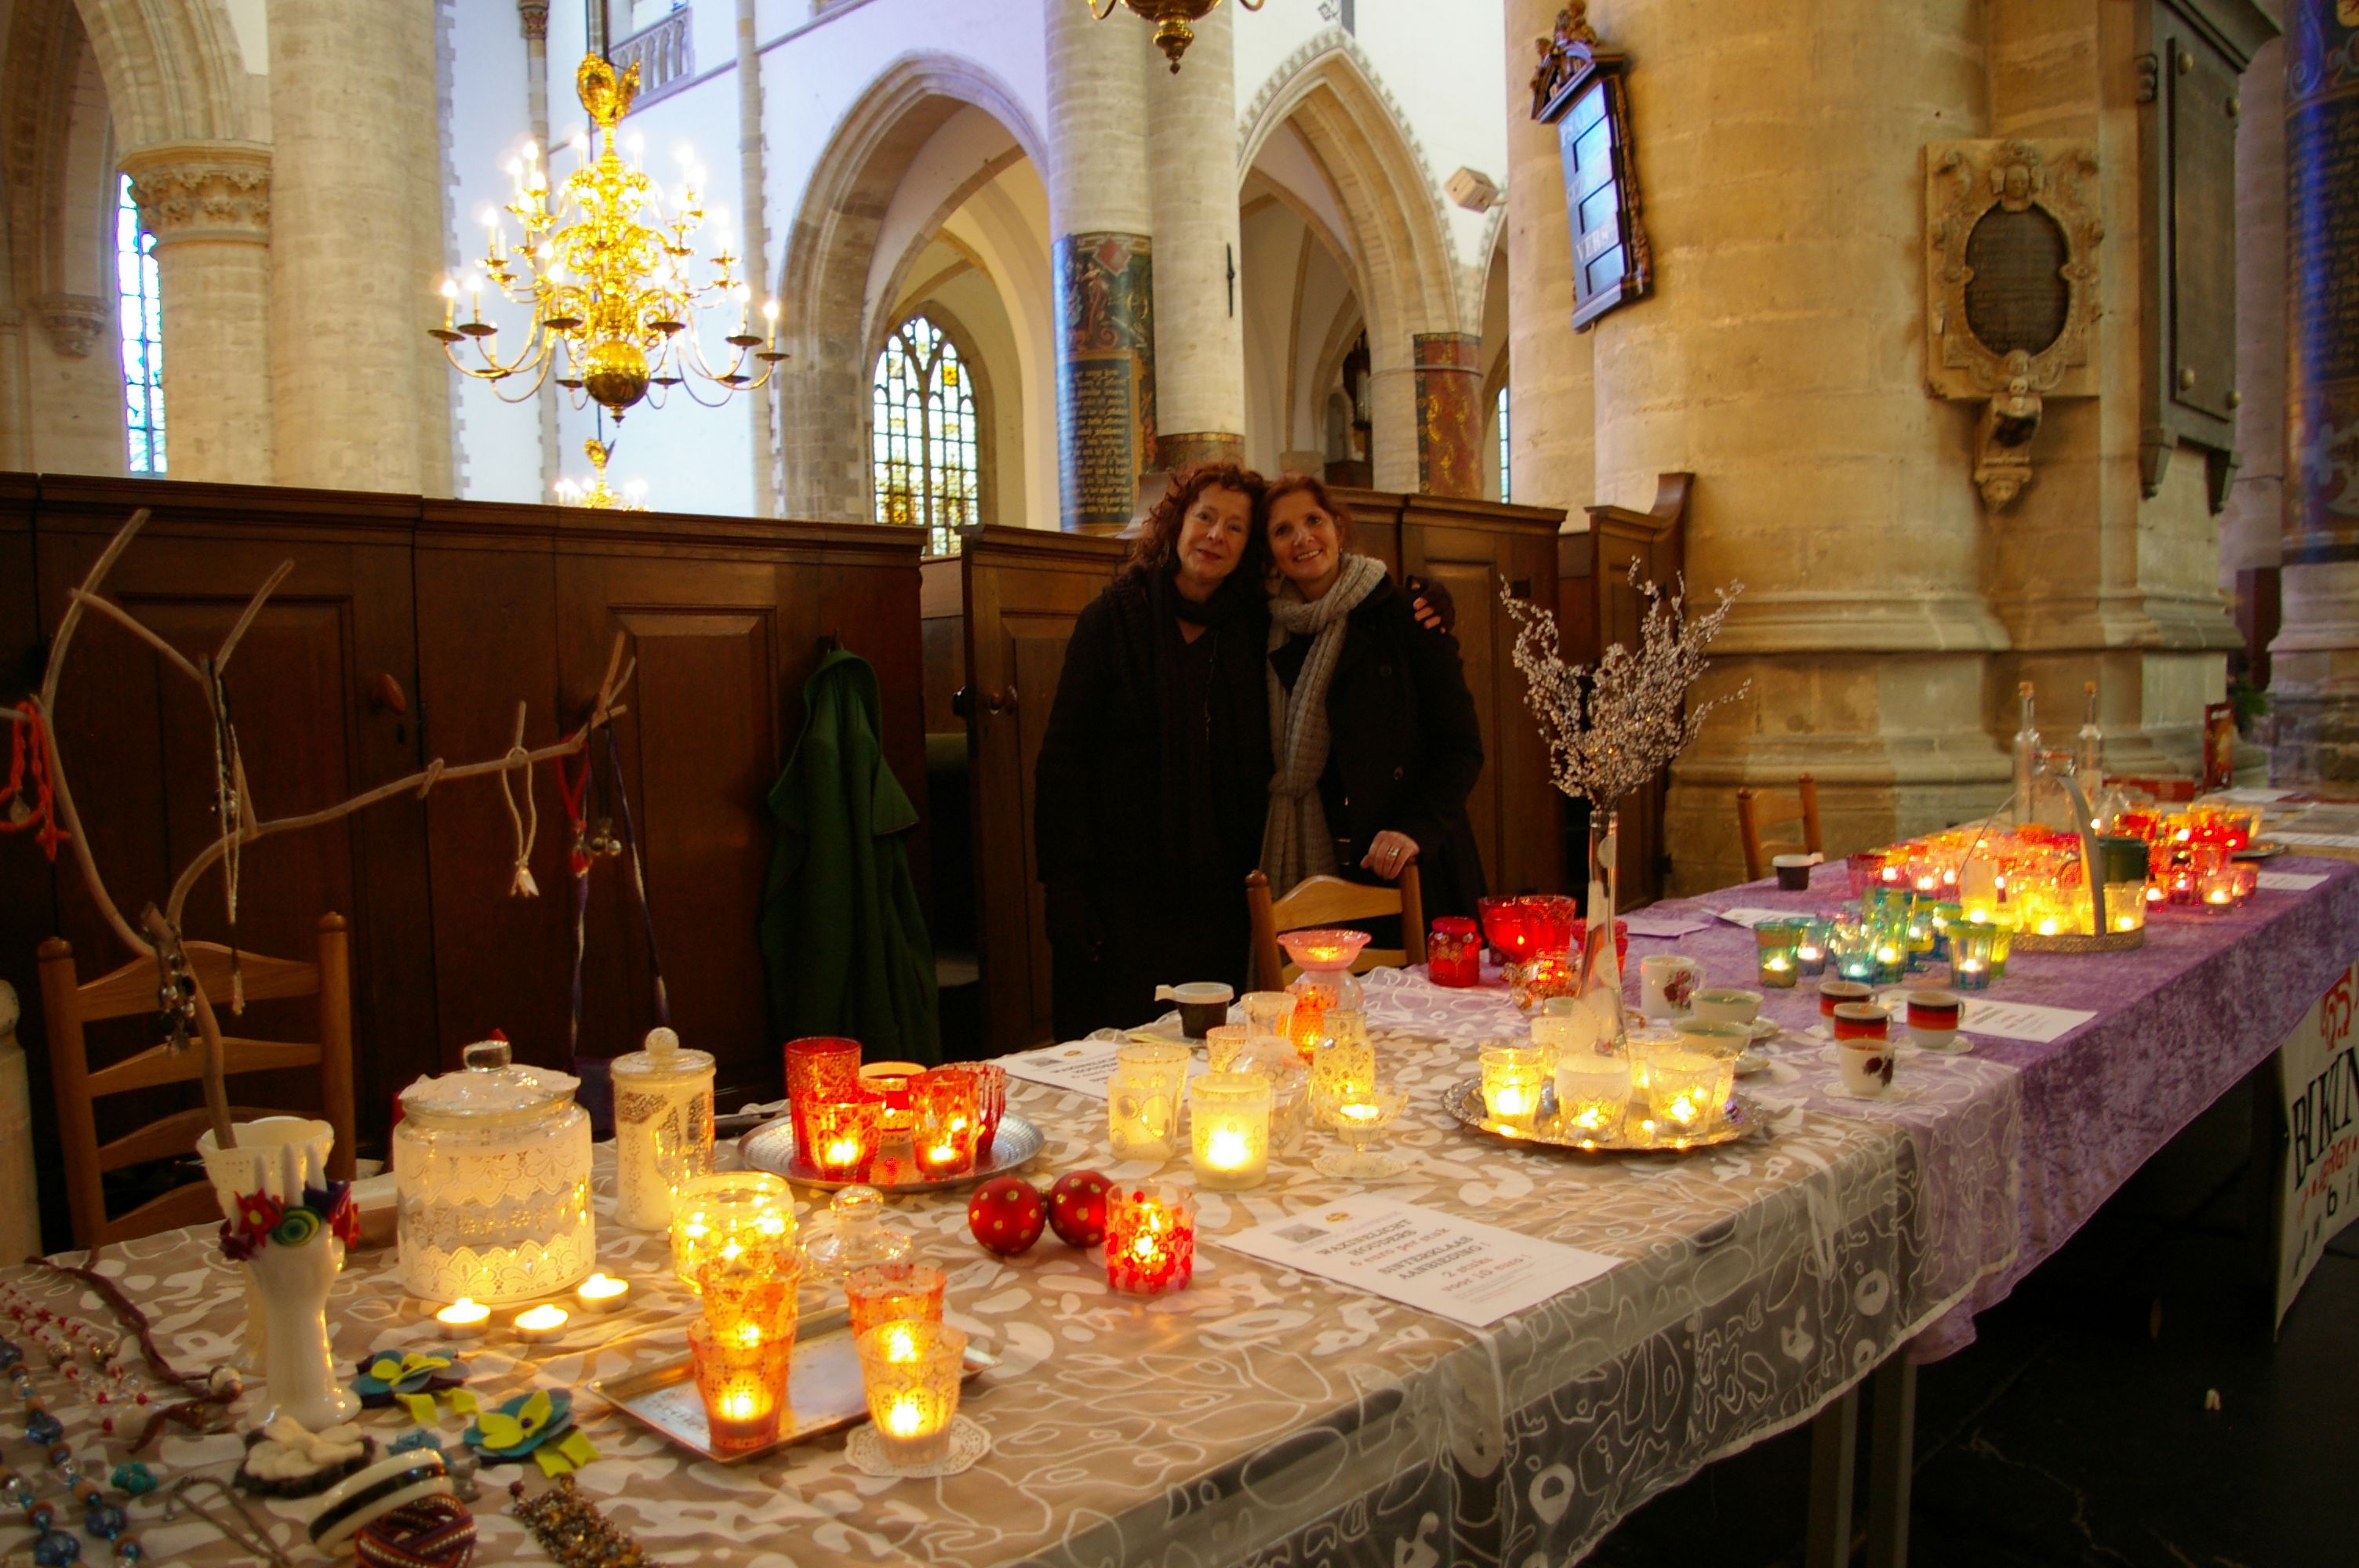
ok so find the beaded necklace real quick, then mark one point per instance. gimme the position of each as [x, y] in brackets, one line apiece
[52, 1547]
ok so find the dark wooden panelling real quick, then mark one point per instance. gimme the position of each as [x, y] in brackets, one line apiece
[1024, 589]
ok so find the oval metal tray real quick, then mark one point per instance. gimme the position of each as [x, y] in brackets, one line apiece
[771, 1147]
[1741, 1119]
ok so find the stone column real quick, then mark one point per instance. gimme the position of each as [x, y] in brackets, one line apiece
[1191, 151]
[2315, 659]
[209, 206]
[1781, 362]
[1100, 218]
[348, 305]
[1551, 413]
[1448, 413]
[532, 17]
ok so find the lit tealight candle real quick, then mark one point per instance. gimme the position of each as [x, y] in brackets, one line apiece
[542, 1323]
[463, 1319]
[601, 1292]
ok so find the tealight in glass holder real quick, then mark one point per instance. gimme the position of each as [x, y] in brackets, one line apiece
[819, 1067]
[733, 1215]
[1777, 944]
[880, 1292]
[1592, 1091]
[1512, 1077]
[910, 1369]
[1972, 963]
[845, 1135]
[1360, 1121]
[944, 1118]
[1810, 953]
[744, 1386]
[1346, 1066]
[1289, 1085]
[1150, 1237]
[1222, 1042]
[1143, 1100]
[1228, 1116]
[1453, 952]
[1687, 1088]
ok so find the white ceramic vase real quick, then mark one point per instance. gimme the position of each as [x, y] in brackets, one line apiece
[286, 1287]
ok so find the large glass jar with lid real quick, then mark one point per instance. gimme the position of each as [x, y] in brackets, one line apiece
[492, 1164]
[663, 1128]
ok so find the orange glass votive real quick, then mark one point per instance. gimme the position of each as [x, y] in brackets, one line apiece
[819, 1067]
[880, 1292]
[943, 1120]
[843, 1137]
[911, 1370]
[1150, 1239]
[750, 1300]
[744, 1386]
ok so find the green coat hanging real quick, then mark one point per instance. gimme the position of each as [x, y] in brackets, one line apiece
[843, 937]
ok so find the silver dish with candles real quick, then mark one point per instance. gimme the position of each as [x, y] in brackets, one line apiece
[771, 1147]
[1739, 1120]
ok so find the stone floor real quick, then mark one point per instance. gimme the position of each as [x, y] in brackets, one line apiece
[2076, 1430]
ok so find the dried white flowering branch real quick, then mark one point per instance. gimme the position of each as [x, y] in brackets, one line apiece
[1613, 726]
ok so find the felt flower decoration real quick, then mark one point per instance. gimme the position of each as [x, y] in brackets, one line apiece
[389, 1374]
[518, 1426]
[416, 1437]
[258, 1212]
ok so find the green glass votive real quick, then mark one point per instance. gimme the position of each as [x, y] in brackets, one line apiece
[1779, 943]
[1972, 960]
[1946, 918]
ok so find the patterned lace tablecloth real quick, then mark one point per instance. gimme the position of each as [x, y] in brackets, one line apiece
[1268, 1417]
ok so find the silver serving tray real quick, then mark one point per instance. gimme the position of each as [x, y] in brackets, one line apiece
[771, 1147]
[1739, 1120]
[2261, 850]
[823, 1391]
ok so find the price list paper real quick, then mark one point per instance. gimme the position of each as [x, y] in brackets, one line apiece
[1468, 1273]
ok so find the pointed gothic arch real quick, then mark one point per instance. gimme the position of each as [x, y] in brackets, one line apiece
[830, 248]
[174, 70]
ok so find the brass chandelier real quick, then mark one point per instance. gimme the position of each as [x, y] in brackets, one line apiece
[597, 495]
[609, 279]
[1172, 19]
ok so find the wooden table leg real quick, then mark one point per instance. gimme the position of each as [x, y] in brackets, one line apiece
[1891, 1458]
[1834, 1433]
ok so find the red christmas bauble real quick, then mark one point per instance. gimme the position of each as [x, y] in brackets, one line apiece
[1077, 1206]
[1007, 1214]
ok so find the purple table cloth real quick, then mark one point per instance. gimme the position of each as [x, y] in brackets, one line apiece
[2179, 1022]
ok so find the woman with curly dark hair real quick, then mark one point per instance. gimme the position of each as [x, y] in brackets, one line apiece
[1151, 787]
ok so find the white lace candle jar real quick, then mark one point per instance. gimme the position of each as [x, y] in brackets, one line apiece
[663, 1128]
[492, 1164]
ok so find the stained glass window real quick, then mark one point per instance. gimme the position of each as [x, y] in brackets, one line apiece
[142, 318]
[925, 472]
[1505, 487]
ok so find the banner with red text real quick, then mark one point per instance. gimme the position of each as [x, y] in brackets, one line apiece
[2318, 1169]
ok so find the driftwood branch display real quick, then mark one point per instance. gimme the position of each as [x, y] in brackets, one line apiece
[188, 1012]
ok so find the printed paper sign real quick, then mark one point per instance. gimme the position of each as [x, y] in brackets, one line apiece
[2021, 1019]
[1661, 925]
[1749, 918]
[2289, 881]
[1458, 1268]
[1081, 1067]
[2319, 840]
[2318, 1173]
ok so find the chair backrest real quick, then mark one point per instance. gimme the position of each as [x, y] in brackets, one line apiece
[1332, 900]
[68, 1004]
[1760, 808]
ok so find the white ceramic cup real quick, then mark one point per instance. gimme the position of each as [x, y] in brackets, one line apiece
[1722, 1005]
[1666, 983]
[1866, 1067]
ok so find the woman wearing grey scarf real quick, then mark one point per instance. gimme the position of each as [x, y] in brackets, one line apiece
[1372, 730]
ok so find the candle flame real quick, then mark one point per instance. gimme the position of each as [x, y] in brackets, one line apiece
[906, 1416]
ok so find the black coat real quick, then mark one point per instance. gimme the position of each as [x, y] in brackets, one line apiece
[1405, 748]
[1148, 808]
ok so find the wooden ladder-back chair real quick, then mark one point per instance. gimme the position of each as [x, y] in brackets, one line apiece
[1761, 809]
[130, 991]
[1332, 900]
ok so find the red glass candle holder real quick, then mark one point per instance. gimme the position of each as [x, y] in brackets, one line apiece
[819, 1067]
[744, 1386]
[990, 1103]
[943, 1121]
[1150, 1239]
[1507, 926]
[845, 1134]
[882, 1292]
[1453, 952]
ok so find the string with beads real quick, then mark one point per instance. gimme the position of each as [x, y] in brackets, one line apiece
[109, 1383]
[572, 1530]
[104, 1520]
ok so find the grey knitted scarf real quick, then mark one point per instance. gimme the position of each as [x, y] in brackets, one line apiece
[1295, 841]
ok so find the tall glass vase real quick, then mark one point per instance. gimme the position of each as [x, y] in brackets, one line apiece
[1600, 987]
